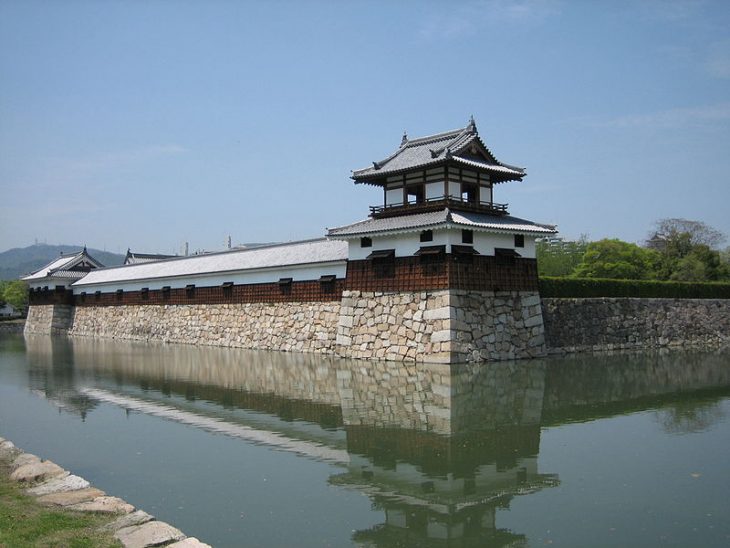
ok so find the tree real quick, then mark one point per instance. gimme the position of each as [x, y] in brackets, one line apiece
[559, 257]
[669, 231]
[613, 258]
[15, 293]
[686, 251]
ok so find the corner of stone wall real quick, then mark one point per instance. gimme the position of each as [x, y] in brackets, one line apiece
[493, 326]
[49, 319]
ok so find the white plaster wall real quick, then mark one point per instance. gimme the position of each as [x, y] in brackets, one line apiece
[297, 273]
[485, 242]
[407, 244]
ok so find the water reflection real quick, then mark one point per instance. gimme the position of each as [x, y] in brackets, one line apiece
[439, 449]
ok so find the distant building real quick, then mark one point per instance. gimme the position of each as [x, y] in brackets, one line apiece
[137, 258]
[7, 310]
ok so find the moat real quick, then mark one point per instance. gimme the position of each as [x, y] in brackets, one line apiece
[253, 448]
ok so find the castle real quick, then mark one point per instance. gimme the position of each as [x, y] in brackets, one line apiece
[439, 272]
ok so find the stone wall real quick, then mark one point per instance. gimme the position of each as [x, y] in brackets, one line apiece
[395, 326]
[579, 325]
[446, 326]
[49, 319]
[300, 327]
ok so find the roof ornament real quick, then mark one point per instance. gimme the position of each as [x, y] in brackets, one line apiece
[436, 152]
[448, 153]
[449, 218]
[472, 127]
[376, 165]
[404, 140]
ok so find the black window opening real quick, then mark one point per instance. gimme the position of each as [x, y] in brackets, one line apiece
[83, 296]
[415, 194]
[383, 261]
[519, 240]
[432, 259]
[190, 291]
[145, 293]
[97, 295]
[469, 193]
[467, 236]
[327, 282]
[506, 256]
[227, 289]
[463, 253]
[427, 236]
[59, 288]
[120, 294]
[366, 242]
[166, 293]
[285, 285]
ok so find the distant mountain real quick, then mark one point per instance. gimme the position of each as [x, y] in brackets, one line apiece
[23, 260]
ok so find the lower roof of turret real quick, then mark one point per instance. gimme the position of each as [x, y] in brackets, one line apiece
[443, 217]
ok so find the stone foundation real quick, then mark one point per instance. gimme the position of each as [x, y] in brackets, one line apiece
[446, 326]
[300, 327]
[49, 319]
[580, 325]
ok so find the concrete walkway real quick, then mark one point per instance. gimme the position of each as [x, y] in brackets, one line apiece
[51, 485]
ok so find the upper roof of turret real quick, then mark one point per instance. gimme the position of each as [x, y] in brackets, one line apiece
[460, 146]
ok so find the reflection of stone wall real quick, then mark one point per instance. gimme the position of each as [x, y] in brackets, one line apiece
[291, 375]
[50, 319]
[575, 385]
[440, 398]
[576, 325]
[302, 327]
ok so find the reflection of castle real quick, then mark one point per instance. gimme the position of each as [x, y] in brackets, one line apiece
[439, 448]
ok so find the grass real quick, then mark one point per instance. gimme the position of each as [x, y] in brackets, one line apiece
[25, 523]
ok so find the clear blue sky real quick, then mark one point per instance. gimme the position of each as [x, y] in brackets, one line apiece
[148, 124]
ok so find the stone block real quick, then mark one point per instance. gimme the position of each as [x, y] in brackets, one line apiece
[152, 533]
[37, 471]
[68, 498]
[59, 485]
[103, 505]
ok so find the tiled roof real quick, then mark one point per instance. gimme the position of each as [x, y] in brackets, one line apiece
[135, 258]
[295, 253]
[437, 149]
[60, 266]
[419, 221]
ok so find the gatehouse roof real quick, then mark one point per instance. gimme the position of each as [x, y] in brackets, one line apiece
[66, 266]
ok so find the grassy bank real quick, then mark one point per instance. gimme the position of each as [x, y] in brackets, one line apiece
[26, 523]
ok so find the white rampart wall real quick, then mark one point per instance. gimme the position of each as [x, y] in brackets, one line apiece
[269, 275]
[409, 243]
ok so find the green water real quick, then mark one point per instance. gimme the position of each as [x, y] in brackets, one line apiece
[242, 448]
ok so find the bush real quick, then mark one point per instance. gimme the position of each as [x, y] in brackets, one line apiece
[601, 287]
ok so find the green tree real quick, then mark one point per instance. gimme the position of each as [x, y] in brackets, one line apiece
[686, 252]
[613, 258]
[15, 293]
[559, 257]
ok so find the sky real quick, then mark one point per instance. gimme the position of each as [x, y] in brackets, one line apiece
[150, 124]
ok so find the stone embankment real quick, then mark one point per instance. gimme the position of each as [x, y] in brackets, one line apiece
[12, 326]
[299, 327]
[51, 485]
[584, 325]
